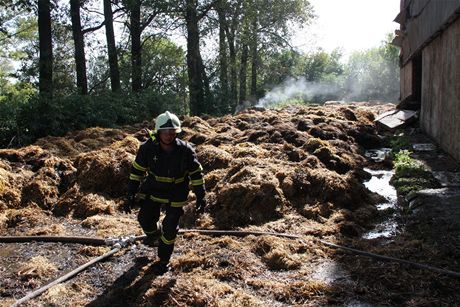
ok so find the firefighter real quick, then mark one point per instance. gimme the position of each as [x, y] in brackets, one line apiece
[170, 166]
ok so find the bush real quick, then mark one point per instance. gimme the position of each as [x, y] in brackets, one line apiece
[12, 99]
[38, 116]
[399, 143]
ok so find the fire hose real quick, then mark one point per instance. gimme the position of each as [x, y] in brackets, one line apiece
[119, 243]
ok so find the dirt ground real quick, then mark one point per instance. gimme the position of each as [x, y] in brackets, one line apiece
[297, 170]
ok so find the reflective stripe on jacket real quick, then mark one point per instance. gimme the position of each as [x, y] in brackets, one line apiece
[165, 177]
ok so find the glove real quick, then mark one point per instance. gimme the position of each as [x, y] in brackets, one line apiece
[200, 205]
[130, 202]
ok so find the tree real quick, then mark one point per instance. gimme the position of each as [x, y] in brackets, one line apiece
[321, 66]
[229, 16]
[224, 90]
[248, 9]
[46, 48]
[79, 44]
[373, 74]
[151, 10]
[252, 28]
[279, 66]
[254, 45]
[111, 47]
[269, 23]
[136, 56]
[198, 82]
[165, 60]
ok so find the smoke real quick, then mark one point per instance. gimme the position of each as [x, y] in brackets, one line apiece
[299, 88]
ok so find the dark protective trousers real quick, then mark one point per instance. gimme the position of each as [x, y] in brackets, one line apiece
[148, 216]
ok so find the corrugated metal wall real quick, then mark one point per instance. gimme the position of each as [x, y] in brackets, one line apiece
[440, 113]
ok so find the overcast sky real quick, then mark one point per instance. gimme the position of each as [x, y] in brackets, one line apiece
[349, 24]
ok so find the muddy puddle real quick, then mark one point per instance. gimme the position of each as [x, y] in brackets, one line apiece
[380, 184]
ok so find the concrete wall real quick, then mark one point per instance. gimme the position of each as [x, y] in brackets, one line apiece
[440, 112]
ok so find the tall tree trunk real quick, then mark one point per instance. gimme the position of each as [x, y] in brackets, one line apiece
[194, 62]
[254, 59]
[206, 106]
[80, 60]
[111, 47]
[230, 32]
[46, 48]
[224, 90]
[233, 73]
[136, 84]
[243, 73]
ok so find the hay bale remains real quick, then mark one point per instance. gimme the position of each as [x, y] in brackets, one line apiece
[36, 267]
[107, 170]
[259, 165]
[275, 253]
[22, 218]
[247, 195]
[49, 181]
[212, 158]
[80, 204]
[31, 155]
[111, 226]
[11, 183]
[75, 143]
[47, 230]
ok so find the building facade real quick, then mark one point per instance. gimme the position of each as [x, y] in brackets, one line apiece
[429, 37]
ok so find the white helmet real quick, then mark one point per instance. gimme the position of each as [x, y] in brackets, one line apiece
[166, 121]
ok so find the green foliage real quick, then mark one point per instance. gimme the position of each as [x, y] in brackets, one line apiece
[13, 97]
[373, 74]
[276, 17]
[313, 78]
[164, 69]
[278, 66]
[314, 67]
[165, 61]
[399, 142]
[263, 26]
[368, 75]
[406, 166]
[410, 175]
[320, 65]
[405, 185]
[294, 101]
[23, 121]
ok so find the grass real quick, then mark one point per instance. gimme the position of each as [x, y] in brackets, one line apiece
[410, 175]
[399, 143]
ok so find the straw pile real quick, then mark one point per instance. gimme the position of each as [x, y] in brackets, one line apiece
[297, 170]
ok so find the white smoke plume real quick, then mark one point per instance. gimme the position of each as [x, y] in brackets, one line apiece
[297, 88]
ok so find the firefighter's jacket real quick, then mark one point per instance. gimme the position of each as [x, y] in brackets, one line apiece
[165, 177]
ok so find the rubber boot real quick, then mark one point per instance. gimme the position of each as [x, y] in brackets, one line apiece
[162, 267]
[152, 238]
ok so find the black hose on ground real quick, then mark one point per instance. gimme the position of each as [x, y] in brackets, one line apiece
[66, 276]
[62, 239]
[237, 233]
[124, 242]
[333, 245]
[392, 259]
[240, 233]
